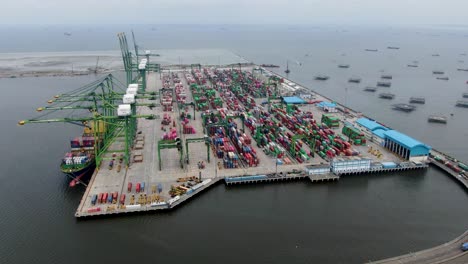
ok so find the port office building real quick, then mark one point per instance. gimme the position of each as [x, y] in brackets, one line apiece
[397, 142]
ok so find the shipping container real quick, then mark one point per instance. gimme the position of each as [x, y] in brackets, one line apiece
[122, 198]
[137, 189]
[109, 198]
[129, 187]
[104, 198]
[94, 199]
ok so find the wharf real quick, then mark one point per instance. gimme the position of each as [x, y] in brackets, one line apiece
[447, 253]
[281, 178]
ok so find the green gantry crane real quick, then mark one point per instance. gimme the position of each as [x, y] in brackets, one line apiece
[205, 140]
[100, 98]
[170, 144]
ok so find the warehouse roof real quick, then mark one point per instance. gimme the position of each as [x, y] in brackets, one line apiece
[293, 100]
[380, 132]
[370, 124]
[326, 104]
[404, 140]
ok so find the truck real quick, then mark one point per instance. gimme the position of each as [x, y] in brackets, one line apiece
[464, 247]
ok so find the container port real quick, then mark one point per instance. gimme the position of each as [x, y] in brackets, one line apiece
[437, 119]
[183, 129]
[417, 100]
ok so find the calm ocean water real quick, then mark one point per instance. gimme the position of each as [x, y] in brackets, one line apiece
[360, 218]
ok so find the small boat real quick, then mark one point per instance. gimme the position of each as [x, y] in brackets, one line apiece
[465, 95]
[437, 72]
[393, 47]
[459, 69]
[437, 119]
[354, 80]
[387, 96]
[370, 89]
[412, 65]
[343, 66]
[404, 107]
[417, 100]
[462, 104]
[443, 78]
[374, 50]
[384, 84]
[269, 66]
[321, 77]
[386, 76]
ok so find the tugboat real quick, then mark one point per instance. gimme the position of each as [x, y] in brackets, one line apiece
[389, 96]
[404, 107]
[437, 119]
[287, 68]
[370, 89]
[417, 100]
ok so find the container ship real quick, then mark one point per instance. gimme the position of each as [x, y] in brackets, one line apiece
[437, 119]
[370, 89]
[80, 162]
[462, 103]
[404, 107]
[321, 77]
[387, 96]
[384, 84]
[417, 100]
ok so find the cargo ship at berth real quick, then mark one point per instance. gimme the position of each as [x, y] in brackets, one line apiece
[80, 162]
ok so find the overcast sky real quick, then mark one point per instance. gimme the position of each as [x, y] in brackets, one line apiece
[406, 12]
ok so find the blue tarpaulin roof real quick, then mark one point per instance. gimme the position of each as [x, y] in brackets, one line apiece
[327, 104]
[404, 140]
[369, 124]
[293, 100]
[379, 132]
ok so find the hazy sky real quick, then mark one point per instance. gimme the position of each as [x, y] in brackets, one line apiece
[416, 12]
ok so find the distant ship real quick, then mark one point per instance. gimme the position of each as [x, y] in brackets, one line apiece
[417, 100]
[412, 65]
[386, 76]
[404, 107]
[370, 89]
[67, 34]
[374, 50]
[387, 96]
[321, 77]
[354, 80]
[462, 103]
[465, 95]
[269, 65]
[392, 47]
[459, 69]
[437, 72]
[435, 55]
[437, 119]
[443, 78]
[343, 66]
[384, 84]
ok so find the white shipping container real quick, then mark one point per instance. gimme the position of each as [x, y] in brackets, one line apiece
[197, 186]
[124, 110]
[132, 90]
[133, 85]
[133, 206]
[158, 204]
[128, 99]
[173, 200]
[205, 182]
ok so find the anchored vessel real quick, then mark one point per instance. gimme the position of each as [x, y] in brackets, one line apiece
[437, 72]
[404, 107]
[393, 47]
[412, 65]
[269, 66]
[344, 66]
[370, 89]
[354, 80]
[384, 84]
[465, 95]
[462, 103]
[374, 50]
[417, 100]
[437, 119]
[321, 77]
[386, 76]
[387, 96]
[443, 78]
